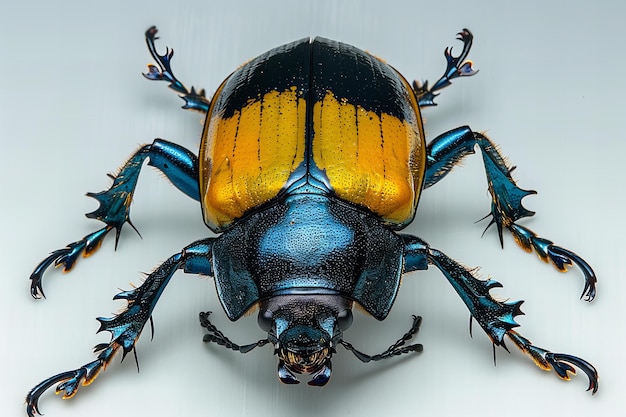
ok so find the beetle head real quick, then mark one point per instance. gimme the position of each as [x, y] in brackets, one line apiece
[305, 330]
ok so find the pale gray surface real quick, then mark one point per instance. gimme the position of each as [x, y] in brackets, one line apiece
[73, 106]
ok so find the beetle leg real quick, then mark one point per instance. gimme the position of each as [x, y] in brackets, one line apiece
[562, 364]
[445, 151]
[194, 100]
[496, 318]
[126, 326]
[456, 67]
[396, 349]
[177, 163]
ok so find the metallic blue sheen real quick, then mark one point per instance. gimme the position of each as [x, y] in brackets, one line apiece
[447, 150]
[179, 165]
[270, 253]
[193, 100]
[306, 257]
[456, 67]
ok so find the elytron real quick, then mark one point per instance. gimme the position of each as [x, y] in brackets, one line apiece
[312, 159]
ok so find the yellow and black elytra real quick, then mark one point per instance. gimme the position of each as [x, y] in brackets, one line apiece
[284, 115]
[312, 157]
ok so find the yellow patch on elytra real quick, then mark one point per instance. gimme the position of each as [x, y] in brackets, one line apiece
[371, 159]
[249, 156]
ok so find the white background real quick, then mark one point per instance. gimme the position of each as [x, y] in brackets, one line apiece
[73, 106]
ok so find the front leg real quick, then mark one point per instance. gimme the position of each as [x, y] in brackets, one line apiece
[496, 318]
[126, 326]
[446, 151]
[178, 164]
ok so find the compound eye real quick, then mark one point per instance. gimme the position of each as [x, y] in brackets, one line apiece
[265, 319]
[344, 319]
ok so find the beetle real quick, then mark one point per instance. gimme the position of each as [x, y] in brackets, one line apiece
[312, 160]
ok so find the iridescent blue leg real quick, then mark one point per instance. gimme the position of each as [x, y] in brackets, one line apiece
[456, 67]
[445, 152]
[178, 164]
[126, 326]
[193, 100]
[496, 318]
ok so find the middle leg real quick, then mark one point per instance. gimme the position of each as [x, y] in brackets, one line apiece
[178, 164]
[444, 153]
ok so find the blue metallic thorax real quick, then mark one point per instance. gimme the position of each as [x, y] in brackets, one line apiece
[308, 179]
[308, 244]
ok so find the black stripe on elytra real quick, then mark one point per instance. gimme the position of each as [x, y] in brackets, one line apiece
[358, 77]
[279, 69]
